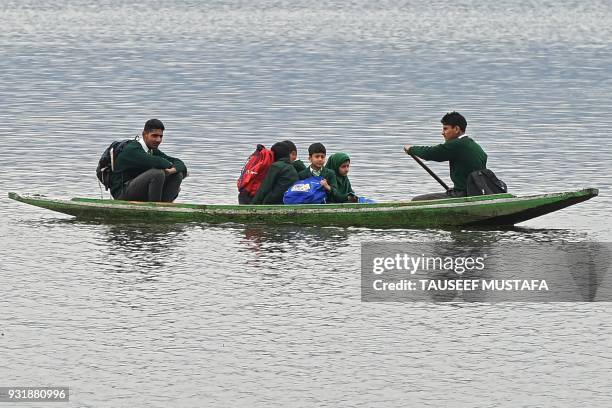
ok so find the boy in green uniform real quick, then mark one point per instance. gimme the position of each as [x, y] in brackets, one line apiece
[463, 154]
[340, 162]
[279, 178]
[298, 164]
[316, 155]
[143, 172]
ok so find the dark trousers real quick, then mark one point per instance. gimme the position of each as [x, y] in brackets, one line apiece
[152, 185]
[244, 197]
[438, 196]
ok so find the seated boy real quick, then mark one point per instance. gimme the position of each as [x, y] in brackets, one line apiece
[316, 155]
[143, 172]
[298, 164]
[279, 178]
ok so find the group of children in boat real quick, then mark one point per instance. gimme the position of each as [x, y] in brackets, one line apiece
[287, 169]
[142, 172]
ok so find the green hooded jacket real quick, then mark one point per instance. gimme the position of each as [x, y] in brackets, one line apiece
[344, 188]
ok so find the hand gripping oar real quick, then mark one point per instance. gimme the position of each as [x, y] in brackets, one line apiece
[431, 173]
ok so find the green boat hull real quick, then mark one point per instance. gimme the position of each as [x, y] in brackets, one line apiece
[493, 210]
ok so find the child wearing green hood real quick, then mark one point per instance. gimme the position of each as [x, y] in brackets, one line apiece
[340, 163]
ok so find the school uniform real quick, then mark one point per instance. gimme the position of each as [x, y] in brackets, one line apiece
[279, 178]
[137, 167]
[325, 173]
[344, 189]
[464, 156]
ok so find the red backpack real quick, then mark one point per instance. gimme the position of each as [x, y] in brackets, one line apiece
[255, 170]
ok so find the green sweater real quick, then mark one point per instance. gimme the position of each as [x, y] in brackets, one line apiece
[279, 178]
[344, 188]
[133, 161]
[463, 154]
[328, 175]
[299, 166]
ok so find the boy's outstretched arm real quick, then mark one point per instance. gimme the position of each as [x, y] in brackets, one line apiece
[439, 152]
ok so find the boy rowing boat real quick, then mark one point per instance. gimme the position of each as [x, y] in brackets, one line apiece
[462, 152]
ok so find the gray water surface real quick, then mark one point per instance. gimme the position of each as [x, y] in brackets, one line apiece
[195, 315]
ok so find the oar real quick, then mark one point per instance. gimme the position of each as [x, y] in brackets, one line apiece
[431, 173]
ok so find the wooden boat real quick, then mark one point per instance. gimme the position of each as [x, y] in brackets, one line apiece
[491, 210]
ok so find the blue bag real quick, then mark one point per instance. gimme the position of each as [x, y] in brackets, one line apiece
[307, 191]
[363, 200]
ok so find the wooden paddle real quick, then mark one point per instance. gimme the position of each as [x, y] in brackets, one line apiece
[431, 173]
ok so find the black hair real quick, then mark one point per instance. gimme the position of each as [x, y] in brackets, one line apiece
[281, 150]
[316, 148]
[292, 146]
[454, 119]
[152, 124]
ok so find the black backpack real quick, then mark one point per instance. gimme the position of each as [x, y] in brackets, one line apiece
[106, 164]
[484, 182]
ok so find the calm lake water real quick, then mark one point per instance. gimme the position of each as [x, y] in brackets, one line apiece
[195, 315]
